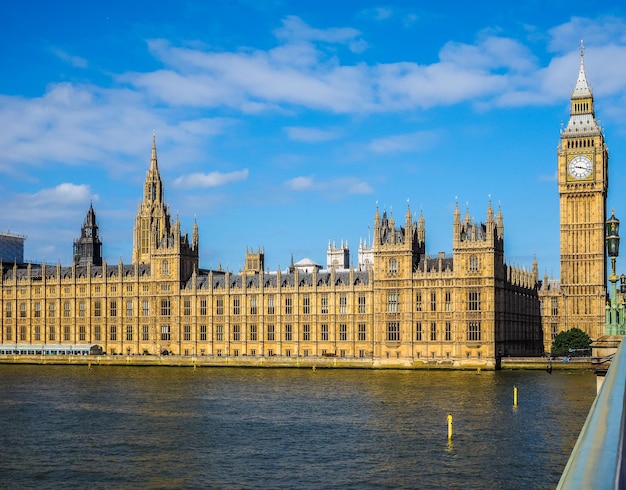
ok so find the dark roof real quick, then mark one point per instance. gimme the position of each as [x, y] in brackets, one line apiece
[287, 279]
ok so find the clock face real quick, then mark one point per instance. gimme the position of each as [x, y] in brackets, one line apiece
[580, 167]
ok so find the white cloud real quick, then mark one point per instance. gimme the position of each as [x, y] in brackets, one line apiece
[406, 17]
[66, 193]
[75, 61]
[78, 124]
[594, 32]
[310, 135]
[334, 188]
[490, 53]
[63, 202]
[267, 79]
[300, 73]
[87, 125]
[294, 28]
[301, 183]
[377, 13]
[418, 140]
[211, 179]
[354, 186]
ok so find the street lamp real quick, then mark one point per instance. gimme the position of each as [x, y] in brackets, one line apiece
[612, 240]
[614, 319]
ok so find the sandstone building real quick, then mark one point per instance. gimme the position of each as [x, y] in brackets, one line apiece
[399, 306]
[579, 298]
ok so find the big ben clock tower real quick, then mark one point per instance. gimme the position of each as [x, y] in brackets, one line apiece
[583, 184]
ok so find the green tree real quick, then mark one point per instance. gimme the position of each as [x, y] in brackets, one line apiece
[571, 339]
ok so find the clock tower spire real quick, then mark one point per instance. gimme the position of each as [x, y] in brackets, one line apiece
[583, 184]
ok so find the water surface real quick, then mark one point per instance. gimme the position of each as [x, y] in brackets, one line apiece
[133, 427]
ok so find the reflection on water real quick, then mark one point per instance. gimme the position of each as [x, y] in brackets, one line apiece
[155, 427]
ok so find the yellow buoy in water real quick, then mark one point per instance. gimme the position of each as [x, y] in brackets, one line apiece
[449, 426]
[515, 396]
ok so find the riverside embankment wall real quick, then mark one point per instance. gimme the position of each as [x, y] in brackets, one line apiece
[291, 362]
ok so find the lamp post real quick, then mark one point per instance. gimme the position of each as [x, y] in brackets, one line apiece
[614, 312]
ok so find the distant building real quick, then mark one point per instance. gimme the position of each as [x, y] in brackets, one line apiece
[338, 257]
[365, 256]
[307, 266]
[88, 248]
[11, 247]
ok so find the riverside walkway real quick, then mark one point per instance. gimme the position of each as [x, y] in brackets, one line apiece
[596, 462]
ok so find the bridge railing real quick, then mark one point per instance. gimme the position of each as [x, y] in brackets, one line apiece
[596, 460]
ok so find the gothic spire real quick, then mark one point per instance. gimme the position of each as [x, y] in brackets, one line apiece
[582, 89]
[88, 248]
[90, 219]
[153, 159]
[582, 120]
[153, 187]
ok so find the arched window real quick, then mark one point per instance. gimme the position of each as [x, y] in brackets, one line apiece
[165, 268]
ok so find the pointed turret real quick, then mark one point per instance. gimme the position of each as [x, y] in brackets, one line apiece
[489, 212]
[408, 219]
[377, 225]
[421, 229]
[490, 224]
[582, 89]
[582, 120]
[500, 222]
[154, 167]
[153, 187]
[88, 248]
[194, 235]
[152, 224]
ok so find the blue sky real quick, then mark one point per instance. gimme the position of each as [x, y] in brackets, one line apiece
[282, 124]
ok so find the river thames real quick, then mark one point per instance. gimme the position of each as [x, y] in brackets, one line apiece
[133, 427]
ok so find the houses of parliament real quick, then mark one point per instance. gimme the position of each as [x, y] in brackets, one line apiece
[399, 306]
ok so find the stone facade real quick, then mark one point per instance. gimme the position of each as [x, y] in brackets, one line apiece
[400, 305]
[407, 307]
[578, 300]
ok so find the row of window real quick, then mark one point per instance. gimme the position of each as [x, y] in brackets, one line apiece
[474, 265]
[81, 289]
[473, 333]
[393, 306]
[288, 332]
[166, 333]
[473, 301]
[166, 307]
[392, 332]
[82, 309]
